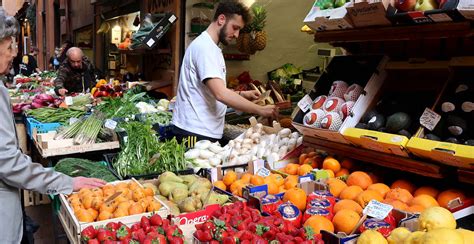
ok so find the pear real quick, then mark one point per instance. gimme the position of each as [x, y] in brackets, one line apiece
[178, 194]
[169, 176]
[425, 5]
[188, 179]
[166, 187]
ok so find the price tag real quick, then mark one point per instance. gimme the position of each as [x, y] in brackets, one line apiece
[213, 172]
[263, 172]
[378, 210]
[17, 87]
[429, 119]
[257, 165]
[68, 100]
[305, 103]
[125, 139]
[297, 82]
[306, 178]
[111, 124]
[73, 120]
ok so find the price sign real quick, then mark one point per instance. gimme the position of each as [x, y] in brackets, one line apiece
[378, 210]
[263, 172]
[297, 82]
[68, 101]
[305, 103]
[73, 120]
[111, 124]
[257, 165]
[213, 173]
[429, 119]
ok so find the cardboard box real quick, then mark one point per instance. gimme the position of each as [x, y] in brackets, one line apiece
[426, 96]
[364, 14]
[328, 19]
[466, 9]
[367, 71]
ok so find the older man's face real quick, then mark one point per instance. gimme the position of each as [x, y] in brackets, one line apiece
[8, 51]
[75, 60]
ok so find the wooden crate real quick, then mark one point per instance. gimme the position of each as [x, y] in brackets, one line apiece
[73, 227]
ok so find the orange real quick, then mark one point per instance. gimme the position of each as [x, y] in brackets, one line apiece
[351, 192]
[292, 169]
[359, 178]
[426, 190]
[345, 220]
[236, 185]
[257, 180]
[220, 184]
[272, 188]
[296, 196]
[281, 189]
[366, 196]
[332, 164]
[278, 179]
[415, 209]
[446, 196]
[404, 184]
[399, 194]
[318, 223]
[291, 181]
[396, 204]
[304, 169]
[342, 172]
[105, 215]
[246, 177]
[229, 178]
[347, 163]
[424, 200]
[380, 187]
[347, 204]
[336, 186]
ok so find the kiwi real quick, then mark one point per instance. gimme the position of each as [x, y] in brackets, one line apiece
[404, 133]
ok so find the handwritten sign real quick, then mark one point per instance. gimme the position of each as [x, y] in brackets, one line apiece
[111, 124]
[376, 209]
[68, 100]
[429, 119]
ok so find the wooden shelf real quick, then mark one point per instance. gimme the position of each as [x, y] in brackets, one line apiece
[393, 33]
[466, 176]
[386, 160]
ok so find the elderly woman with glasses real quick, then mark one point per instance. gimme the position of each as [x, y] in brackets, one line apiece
[17, 171]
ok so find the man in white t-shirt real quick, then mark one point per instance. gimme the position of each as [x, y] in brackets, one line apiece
[203, 95]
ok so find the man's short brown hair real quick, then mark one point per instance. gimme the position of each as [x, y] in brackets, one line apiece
[231, 7]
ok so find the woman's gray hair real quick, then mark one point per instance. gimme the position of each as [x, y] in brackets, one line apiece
[8, 25]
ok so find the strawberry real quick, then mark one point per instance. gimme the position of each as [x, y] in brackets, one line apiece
[104, 234]
[298, 239]
[88, 233]
[245, 242]
[246, 235]
[156, 220]
[252, 227]
[135, 227]
[145, 223]
[269, 235]
[123, 232]
[229, 240]
[203, 236]
[209, 225]
[175, 240]
[112, 226]
[199, 226]
[225, 217]
[214, 242]
[241, 226]
[139, 235]
[93, 241]
[259, 240]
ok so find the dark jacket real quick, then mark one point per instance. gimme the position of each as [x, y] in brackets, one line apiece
[71, 79]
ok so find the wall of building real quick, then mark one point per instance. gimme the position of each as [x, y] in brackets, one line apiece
[285, 42]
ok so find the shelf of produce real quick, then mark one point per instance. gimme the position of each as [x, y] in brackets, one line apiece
[386, 160]
[466, 176]
[392, 33]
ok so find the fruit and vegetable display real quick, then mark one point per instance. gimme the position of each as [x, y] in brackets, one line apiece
[330, 111]
[186, 193]
[153, 229]
[419, 5]
[457, 116]
[86, 130]
[104, 89]
[397, 113]
[49, 115]
[254, 144]
[112, 201]
[329, 4]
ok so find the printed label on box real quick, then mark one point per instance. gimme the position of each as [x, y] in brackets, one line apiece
[429, 119]
[442, 17]
[378, 210]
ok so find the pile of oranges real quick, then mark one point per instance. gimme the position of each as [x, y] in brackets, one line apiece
[232, 182]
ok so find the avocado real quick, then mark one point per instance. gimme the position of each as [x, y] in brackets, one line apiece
[398, 121]
[404, 133]
[382, 129]
[367, 116]
[469, 142]
[456, 125]
[376, 122]
[432, 137]
[454, 140]
[361, 126]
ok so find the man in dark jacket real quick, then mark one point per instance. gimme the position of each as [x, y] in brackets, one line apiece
[76, 74]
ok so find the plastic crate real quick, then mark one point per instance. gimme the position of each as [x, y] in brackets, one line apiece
[32, 198]
[110, 157]
[32, 123]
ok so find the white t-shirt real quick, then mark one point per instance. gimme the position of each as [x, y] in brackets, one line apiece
[196, 108]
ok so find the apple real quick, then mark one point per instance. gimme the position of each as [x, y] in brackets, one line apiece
[441, 3]
[405, 5]
[425, 5]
